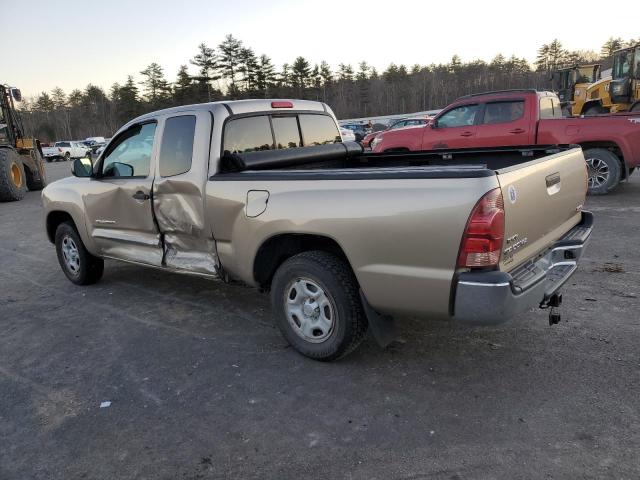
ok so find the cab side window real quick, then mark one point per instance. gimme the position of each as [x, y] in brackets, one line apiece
[176, 149]
[503, 112]
[131, 154]
[462, 116]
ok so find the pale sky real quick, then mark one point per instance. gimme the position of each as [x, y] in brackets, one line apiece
[70, 43]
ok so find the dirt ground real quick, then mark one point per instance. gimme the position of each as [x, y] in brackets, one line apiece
[201, 385]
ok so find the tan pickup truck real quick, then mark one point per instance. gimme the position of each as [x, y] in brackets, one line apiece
[264, 192]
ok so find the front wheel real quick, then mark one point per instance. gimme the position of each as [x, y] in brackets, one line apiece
[13, 184]
[67, 157]
[604, 170]
[76, 262]
[317, 305]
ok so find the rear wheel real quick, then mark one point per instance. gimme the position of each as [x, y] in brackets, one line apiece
[76, 262]
[604, 170]
[317, 305]
[635, 107]
[13, 184]
[36, 180]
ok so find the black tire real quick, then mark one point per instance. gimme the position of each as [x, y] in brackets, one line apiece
[13, 183]
[67, 156]
[605, 170]
[35, 181]
[89, 268]
[635, 108]
[339, 286]
[594, 110]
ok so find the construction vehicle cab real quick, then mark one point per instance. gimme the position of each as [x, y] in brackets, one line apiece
[625, 83]
[574, 87]
[21, 164]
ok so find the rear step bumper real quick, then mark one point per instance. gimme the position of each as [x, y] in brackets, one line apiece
[490, 298]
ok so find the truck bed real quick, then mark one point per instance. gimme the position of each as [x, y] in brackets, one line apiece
[340, 160]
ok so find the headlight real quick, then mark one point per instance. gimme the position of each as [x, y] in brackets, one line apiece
[376, 141]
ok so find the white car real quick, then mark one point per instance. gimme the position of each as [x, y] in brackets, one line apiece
[65, 150]
[347, 135]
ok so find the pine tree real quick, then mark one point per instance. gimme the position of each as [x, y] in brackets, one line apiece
[611, 46]
[229, 59]
[300, 75]
[345, 72]
[363, 72]
[265, 75]
[207, 61]
[183, 91]
[156, 86]
[248, 68]
[44, 103]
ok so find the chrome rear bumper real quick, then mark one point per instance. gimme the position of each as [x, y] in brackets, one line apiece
[489, 298]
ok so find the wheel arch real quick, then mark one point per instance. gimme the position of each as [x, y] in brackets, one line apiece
[276, 249]
[592, 103]
[54, 219]
[610, 145]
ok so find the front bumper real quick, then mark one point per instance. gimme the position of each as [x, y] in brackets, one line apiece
[489, 298]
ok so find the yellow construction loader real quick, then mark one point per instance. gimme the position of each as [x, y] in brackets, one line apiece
[21, 159]
[584, 91]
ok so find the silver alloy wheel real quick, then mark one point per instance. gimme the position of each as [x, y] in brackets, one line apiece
[598, 172]
[310, 312]
[70, 254]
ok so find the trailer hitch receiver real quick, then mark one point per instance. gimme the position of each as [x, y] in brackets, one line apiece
[553, 302]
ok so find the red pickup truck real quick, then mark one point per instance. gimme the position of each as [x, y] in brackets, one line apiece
[611, 143]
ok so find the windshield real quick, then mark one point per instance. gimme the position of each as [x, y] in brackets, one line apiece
[621, 64]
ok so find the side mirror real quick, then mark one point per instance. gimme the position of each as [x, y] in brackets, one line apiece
[82, 167]
[118, 169]
[16, 94]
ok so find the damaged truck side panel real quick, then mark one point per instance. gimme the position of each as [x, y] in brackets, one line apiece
[179, 193]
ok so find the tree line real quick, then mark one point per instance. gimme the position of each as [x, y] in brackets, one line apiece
[233, 71]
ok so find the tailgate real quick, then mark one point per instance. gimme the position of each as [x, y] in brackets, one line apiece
[542, 201]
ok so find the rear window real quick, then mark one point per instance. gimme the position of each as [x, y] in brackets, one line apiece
[503, 112]
[318, 130]
[176, 149]
[248, 134]
[286, 131]
[252, 134]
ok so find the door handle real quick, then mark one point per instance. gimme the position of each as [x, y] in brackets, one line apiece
[140, 195]
[517, 130]
[466, 134]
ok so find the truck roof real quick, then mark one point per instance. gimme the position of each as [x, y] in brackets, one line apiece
[235, 107]
[515, 91]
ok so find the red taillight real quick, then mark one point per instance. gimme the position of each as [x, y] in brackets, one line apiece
[281, 104]
[482, 239]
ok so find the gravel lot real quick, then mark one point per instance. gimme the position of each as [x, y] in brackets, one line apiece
[202, 385]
